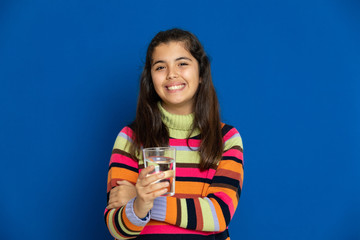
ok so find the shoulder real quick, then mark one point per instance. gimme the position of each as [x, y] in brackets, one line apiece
[231, 136]
[127, 132]
[124, 137]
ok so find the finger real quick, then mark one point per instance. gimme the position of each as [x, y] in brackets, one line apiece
[115, 189]
[158, 193]
[110, 206]
[145, 172]
[152, 178]
[111, 201]
[150, 189]
[169, 173]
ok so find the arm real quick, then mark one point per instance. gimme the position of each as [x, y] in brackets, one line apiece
[213, 212]
[123, 222]
[120, 222]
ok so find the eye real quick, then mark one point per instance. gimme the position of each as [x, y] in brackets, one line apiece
[183, 64]
[159, 68]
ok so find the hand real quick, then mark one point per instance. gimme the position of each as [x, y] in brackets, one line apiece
[120, 195]
[147, 189]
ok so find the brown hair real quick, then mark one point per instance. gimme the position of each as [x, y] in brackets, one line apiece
[149, 129]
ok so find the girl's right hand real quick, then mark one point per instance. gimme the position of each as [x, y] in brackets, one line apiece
[147, 190]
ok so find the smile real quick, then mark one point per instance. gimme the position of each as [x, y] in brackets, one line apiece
[175, 87]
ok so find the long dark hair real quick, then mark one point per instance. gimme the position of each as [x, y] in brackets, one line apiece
[149, 129]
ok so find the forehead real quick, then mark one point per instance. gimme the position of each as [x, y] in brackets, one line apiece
[170, 51]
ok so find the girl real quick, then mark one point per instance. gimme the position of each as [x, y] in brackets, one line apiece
[177, 107]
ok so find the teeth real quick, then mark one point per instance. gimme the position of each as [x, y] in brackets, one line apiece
[175, 87]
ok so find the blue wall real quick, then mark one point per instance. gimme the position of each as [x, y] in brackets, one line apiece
[287, 75]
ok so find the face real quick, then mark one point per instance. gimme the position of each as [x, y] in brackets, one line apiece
[175, 75]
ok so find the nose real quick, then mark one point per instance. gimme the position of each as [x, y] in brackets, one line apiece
[172, 73]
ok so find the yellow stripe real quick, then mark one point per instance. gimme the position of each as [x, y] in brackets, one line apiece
[207, 215]
[121, 223]
[235, 141]
[184, 214]
[187, 157]
[121, 143]
[111, 226]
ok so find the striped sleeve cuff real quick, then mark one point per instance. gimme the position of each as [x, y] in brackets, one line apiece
[158, 212]
[130, 214]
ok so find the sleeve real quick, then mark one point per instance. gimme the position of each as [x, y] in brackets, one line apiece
[213, 212]
[122, 222]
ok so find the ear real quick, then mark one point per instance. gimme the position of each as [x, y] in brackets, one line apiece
[200, 80]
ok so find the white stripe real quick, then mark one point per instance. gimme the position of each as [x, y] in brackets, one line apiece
[213, 211]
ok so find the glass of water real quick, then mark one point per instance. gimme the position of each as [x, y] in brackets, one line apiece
[163, 160]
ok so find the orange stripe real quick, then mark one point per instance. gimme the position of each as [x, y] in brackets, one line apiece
[122, 173]
[171, 210]
[128, 224]
[230, 165]
[188, 187]
[156, 223]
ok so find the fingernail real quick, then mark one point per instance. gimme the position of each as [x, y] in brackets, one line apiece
[161, 174]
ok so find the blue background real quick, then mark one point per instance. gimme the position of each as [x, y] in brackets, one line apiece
[287, 75]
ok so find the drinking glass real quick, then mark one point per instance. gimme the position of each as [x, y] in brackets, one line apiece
[163, 160]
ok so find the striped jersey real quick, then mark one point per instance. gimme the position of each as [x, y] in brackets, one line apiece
[204, 201]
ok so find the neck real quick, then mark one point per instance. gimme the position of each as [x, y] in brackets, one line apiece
[179, 109]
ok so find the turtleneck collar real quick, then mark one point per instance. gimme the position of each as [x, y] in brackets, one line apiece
[176, 122]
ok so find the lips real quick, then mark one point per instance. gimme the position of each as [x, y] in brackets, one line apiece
[175, 87]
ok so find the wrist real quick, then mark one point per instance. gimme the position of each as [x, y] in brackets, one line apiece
[132, 217]
[139, 211]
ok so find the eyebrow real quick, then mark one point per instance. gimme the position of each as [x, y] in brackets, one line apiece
[180, 58]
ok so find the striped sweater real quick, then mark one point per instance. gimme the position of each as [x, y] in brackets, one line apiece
[204, 201]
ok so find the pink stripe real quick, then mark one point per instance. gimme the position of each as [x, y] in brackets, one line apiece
[235, 153]
[195, 172]
[227, 200]
[182, 142]
[118, 158]
[128, 132]
[170, 229]
[230, 134]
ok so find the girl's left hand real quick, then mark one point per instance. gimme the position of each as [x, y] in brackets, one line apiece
[121, 194]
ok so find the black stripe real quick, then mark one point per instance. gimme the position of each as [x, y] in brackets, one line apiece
[225, 129]
[178, 212]
[197, 137]
[219, 236]
[193, 179]
[236, 147]
[121, 165]
[105, 216]
[117, 225]
[226, 180]
[224, 208]
[235, 159]
[238, 193]
[191, 213]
